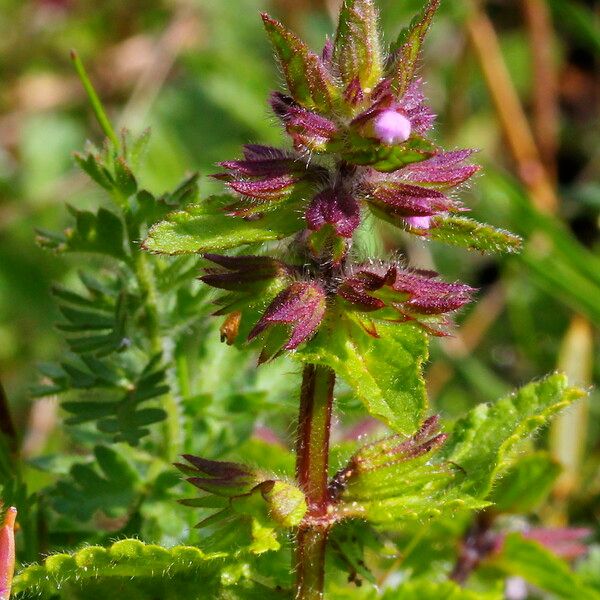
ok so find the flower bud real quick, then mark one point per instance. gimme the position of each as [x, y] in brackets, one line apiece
[287, 503]
[418, 222]
[391, 127]
[7, 553]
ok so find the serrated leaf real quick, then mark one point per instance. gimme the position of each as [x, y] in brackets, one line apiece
[540, 567]
[100, 233]
[461, 231]
[409, 44]
[131, 569]
[384, 372]
[122, 414]
[110, 485]
[92, 165]
[483, 442]
[357, 51]
[205, 228]
[308, 81]
[406, 490]
[527, 484]
[125, 181]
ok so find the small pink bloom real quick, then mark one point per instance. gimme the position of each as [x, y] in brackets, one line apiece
[391, 127]
[7, 553]
[418, 222]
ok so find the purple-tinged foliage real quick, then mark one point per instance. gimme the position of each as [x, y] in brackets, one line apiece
[336, 207]
[404, 200]
[444, 169]
[403, 295]
[308, 130]
[220, 478]
[301, 306]
[266, 176]
[240, 272]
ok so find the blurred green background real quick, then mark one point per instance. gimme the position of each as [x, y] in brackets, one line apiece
[198, 72]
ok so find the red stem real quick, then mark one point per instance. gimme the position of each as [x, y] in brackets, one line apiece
[312, 465]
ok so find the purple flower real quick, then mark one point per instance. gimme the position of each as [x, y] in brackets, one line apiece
[391, 127]
[417, 192]
[392, 121]
[423, 223]
[301, 306]
[395, 294]
[336, 207]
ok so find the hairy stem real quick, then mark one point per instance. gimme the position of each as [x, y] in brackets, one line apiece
[312, 462]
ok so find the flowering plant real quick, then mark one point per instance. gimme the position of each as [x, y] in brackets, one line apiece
[360, 153]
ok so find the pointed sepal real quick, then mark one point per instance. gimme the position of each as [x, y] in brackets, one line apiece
[409, 49]
[301, 307]
[308, 80]
[357, 49]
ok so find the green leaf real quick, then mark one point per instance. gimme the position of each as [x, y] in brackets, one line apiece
[357, 51]
[308, 81]
[360, 150]
[405, 489]
[205, 228]
[483, 442]
[384, 372]
[124, 417]
[527, 484]
[110, 485]
[447, 590]
[131, 569]
[461, 231]
[92, 165]
[100, 233]
[542, 568]
[409, 44]
[125, 181]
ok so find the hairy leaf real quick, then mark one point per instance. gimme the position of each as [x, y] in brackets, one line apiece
[360, 150]
[384, 372]
[483, 442]
[131, 569]
[409, 48]
[357, 51]
[461, 231]
[527, 483]
[204, 228]
[308, 81]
